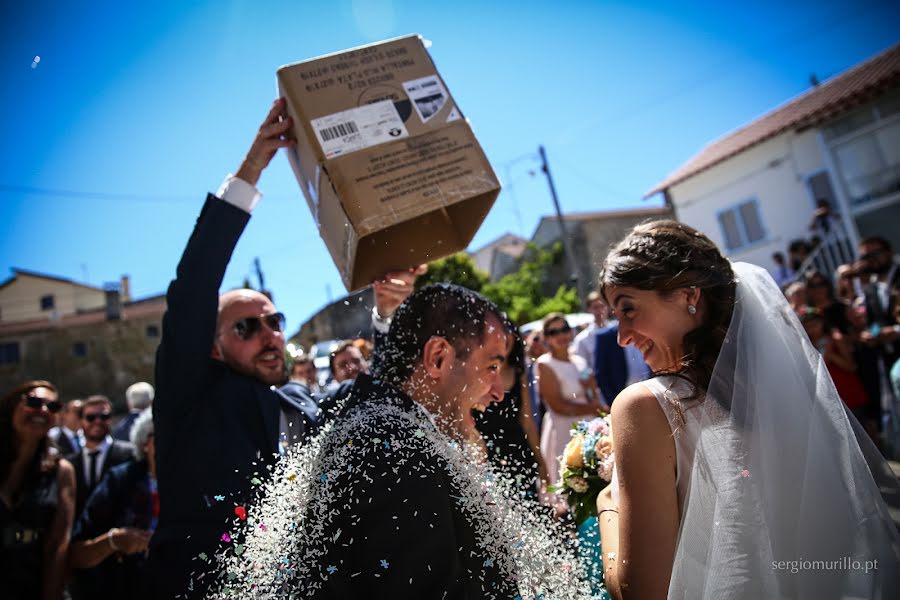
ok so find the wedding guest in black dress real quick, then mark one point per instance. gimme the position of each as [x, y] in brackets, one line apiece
[509, 433]
[37, 495]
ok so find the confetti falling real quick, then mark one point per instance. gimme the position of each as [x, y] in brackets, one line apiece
[34, 63]
[241, 512]
[514, 536]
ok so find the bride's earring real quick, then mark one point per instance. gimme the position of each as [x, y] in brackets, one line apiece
[692, 309]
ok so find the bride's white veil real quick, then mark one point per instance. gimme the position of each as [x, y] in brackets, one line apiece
[784, 497]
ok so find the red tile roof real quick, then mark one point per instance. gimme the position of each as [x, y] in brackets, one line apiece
[826, 101]
[153, 306]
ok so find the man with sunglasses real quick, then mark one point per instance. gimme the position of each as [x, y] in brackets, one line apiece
[100, 452]
[67, 435]
[220, 417]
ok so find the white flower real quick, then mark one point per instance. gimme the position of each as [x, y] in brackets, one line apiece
[579, 484]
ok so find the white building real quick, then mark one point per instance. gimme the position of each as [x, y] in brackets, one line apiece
[755, 190]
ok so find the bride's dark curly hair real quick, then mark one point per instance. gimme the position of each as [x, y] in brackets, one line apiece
[665, 256]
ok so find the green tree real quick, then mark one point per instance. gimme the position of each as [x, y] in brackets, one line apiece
[457, 268]
[521, 294]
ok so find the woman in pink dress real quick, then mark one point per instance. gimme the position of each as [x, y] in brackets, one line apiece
[567, 388]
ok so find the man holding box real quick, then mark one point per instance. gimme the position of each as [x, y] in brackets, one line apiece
[219, 418]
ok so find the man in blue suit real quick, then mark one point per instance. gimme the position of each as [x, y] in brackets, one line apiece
[220, 418]
[615, 368]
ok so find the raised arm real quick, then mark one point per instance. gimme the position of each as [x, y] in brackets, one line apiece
[390, 292]
[189, 324]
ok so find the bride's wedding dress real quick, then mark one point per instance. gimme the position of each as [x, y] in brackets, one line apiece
[778, 485]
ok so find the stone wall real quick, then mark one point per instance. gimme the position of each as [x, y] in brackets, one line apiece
[116, 354]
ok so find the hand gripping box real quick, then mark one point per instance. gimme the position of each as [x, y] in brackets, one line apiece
[390, 168]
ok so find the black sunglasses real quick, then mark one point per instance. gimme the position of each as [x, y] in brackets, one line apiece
[104, 416]
[248, 327]
[37, 402]
[558, 330]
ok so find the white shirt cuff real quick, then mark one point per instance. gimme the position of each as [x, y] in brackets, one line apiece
[379, 324]
[239, 193]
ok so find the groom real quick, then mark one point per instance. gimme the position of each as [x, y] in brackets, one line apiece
[400, 525]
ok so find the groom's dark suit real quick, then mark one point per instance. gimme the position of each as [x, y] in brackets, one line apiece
[402, 509]
[215, 429]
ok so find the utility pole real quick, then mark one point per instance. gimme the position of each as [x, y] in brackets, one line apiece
[567, 243]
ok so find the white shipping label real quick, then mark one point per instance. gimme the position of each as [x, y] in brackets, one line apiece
[427, 94]
[358, 128]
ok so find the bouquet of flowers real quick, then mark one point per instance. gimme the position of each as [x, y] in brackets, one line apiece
[586, 466]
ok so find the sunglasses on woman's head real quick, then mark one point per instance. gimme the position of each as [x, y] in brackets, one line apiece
[36, 402]
[248, 327]
[104, 416]
[557, 331]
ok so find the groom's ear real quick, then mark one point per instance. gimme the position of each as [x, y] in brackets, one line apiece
[437, 357]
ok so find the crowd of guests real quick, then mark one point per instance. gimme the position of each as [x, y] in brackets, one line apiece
[78, 503]
[852, 316]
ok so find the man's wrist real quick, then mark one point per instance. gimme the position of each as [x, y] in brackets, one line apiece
[239, 192]
[112, 542]
[248, 173]
[381, 323]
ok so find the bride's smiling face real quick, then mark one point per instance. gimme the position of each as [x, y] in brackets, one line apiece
[655, 323]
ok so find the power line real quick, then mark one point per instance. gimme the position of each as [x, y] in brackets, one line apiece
[6, 188]
[81, 195]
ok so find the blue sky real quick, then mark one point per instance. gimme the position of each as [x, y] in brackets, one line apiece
[136, 110]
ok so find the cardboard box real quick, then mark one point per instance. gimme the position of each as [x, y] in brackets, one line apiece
[390, 168]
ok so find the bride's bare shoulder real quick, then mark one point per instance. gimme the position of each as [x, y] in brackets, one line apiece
[636, 409]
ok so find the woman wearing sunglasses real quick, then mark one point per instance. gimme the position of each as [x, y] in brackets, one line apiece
[566, 386]
[37, 495]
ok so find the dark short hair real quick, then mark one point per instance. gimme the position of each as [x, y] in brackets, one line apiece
[549, 318]
[812, 274]
[94, 401]
[75, 401]
[876, 240]
[337, 350]
[452, 312]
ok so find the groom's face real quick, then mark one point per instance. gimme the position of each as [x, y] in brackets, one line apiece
[476, 380]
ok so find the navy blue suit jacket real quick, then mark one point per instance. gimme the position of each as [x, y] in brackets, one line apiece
[610, 365]
[216, 430]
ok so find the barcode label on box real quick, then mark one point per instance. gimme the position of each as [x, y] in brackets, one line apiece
[339, 130]
[359, 128]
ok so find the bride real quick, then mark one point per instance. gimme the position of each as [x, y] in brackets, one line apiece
[739, 474]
